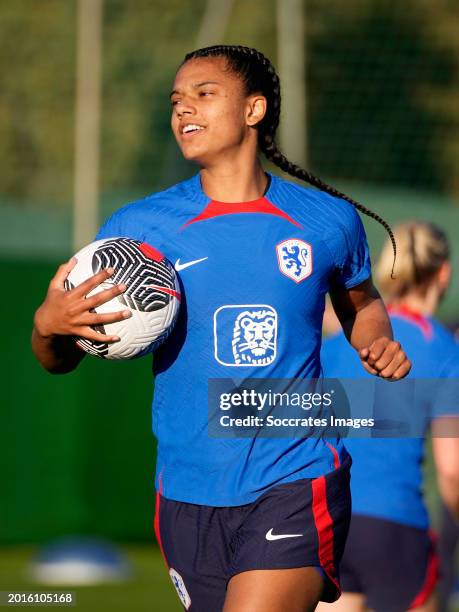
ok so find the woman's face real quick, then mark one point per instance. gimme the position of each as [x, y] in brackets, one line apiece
[211, 115]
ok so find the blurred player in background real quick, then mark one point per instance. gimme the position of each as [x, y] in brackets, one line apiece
[448, 537]
[390, 564]
[253, 524]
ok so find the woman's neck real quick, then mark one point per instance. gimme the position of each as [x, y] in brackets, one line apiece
[234, 182]
[425, 305]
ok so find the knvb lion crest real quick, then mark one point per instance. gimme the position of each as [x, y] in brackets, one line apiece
[180, 587]
[245, 335]
[295, 259]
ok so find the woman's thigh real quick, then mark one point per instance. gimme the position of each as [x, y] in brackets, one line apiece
[348, 602]
[295, 590]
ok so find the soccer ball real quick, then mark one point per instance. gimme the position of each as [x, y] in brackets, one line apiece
[152, 295]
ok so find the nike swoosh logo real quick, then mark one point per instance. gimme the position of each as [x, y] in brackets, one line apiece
[271, 537]
[178, 266]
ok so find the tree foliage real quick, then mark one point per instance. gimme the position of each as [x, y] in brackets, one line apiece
[383, 91]
[382, 87]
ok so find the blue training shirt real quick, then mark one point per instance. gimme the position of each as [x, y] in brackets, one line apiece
[254, 278]
[387, 473]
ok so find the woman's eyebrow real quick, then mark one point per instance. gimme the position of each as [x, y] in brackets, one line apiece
[195, 86]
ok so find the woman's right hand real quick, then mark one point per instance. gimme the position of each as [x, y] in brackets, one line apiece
[69, 313]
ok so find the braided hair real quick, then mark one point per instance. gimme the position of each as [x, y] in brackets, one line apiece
[258, 75]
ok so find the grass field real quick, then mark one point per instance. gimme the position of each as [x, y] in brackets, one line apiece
[149, 589]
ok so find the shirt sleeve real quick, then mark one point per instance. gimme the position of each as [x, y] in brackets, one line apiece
[349, 247]
[121, 224]
[109, 229]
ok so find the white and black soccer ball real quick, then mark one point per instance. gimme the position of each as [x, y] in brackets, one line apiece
[152, 295]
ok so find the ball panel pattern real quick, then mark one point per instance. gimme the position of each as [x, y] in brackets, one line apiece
[152, 294]
[99, 349]
[137, 271]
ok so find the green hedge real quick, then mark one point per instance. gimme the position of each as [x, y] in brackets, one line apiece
[77, 452]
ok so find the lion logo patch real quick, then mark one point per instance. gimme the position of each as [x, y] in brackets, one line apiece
[245, 335]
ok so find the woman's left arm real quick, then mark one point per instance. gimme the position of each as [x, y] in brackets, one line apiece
[367, 327]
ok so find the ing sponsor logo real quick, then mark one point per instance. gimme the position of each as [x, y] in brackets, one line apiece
[245, 335]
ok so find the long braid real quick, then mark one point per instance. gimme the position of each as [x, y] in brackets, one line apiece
[246, 62]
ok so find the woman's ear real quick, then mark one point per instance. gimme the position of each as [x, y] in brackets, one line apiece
[444, 275]
[256, 109]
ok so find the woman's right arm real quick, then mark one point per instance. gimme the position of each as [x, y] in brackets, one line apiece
[65, 314]
[446, 455]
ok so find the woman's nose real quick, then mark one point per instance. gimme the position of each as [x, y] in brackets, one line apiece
[185, 108]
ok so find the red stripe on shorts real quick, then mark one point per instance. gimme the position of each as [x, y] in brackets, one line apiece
[336, 461]
[431, 578]
[324, 526]
[156, 522]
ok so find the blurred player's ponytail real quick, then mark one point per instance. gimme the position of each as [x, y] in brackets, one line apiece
[258, 75]
[423, 247]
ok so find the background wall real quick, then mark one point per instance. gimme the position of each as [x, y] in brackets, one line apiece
[77, 453]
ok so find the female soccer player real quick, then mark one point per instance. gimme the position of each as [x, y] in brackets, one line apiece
[389, 563]
[244, 523]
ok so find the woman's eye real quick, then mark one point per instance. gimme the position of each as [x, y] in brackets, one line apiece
[206, 93]
[174, 102]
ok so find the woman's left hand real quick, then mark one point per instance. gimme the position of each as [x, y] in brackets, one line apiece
[385, 358]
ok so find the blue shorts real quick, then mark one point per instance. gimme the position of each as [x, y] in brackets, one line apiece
[394, 566]
[297, 524]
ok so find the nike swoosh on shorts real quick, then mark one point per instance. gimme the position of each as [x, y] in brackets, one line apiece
[271, 537]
